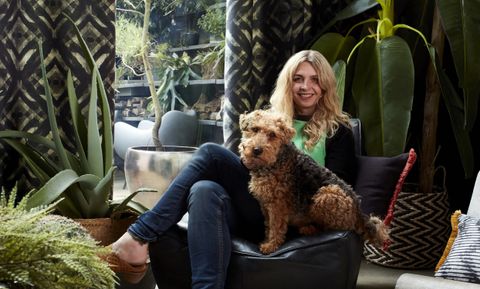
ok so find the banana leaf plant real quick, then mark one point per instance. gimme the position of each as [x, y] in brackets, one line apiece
[461, 21]
[83, 177]
[383, 73]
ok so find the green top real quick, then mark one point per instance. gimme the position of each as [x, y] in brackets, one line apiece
[318, 151]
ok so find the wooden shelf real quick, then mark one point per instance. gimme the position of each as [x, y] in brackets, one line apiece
[144, 83]
[194, 47]
[211, 122]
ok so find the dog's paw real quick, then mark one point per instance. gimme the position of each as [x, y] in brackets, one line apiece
[308, 230]
[268, 247]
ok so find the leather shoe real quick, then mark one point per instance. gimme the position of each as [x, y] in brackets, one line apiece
[132, 274]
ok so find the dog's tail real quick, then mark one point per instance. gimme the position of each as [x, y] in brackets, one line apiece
[373, 230]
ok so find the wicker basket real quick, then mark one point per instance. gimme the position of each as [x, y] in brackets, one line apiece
[419, 231]
[106, 230]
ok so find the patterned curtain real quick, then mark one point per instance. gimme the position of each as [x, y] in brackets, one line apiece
[22, 104]
[261, 36]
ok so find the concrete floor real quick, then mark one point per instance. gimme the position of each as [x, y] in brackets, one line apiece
[373, 276]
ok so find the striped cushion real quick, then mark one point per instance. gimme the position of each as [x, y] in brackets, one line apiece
[463, 261]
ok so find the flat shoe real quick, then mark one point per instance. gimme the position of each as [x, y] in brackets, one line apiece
[132, 274]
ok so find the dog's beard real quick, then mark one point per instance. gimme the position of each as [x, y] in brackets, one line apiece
[254, 162]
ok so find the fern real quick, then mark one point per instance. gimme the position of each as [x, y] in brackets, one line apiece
[39, 250]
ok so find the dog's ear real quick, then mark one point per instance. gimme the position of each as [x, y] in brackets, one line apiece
[243, 121]
[289, 131]
[286, 127]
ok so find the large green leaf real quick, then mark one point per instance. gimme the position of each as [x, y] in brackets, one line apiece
[334, 46]
[453, 103]
[340, 70]
[461, 21]
[94, 151]
[60, 149]
[55, 188]
[31, 148]
[79, 127]
[354, 8]
[107, 134]
[40, 166]
[382, 89]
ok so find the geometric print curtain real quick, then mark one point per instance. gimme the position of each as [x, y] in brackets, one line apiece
[261, 35]
[22, 102]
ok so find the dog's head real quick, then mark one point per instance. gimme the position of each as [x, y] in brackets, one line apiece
[264, 133]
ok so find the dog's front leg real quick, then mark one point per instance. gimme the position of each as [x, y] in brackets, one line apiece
[276, 228]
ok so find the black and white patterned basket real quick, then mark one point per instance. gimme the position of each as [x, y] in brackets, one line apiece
[419, 232]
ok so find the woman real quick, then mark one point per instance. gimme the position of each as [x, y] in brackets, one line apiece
[213, 187]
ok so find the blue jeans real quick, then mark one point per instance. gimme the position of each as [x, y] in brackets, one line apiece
[213, 188]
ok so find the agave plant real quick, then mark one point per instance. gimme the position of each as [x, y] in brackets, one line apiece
[83, 177]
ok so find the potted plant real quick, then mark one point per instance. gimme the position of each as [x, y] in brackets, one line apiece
[382, 90]
[386, 92]
[213, 61]
[83, 176]
[173, 70]
[213, 22]
[128, 47]
[40, 250]
[79, 181]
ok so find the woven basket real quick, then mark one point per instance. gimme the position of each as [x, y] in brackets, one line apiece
[419, 231]
[106, 230]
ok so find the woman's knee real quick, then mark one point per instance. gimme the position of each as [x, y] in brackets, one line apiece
[206, 191]
[209, 148]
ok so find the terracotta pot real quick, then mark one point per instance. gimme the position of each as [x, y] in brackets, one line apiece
[106, 230]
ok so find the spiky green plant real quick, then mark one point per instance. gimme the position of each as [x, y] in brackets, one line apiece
[43, 251]
[83, 176]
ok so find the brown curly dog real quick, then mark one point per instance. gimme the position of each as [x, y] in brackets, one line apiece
[293, 189]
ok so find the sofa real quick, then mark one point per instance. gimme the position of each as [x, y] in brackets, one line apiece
[327, 260]
[410, 280]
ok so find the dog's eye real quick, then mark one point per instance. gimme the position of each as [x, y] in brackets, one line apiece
[254, 129]
[271, 134]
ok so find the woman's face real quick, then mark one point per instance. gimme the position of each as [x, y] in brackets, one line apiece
[306, 89]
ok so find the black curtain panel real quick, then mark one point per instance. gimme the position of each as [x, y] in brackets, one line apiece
[22, 101]
[261, 36]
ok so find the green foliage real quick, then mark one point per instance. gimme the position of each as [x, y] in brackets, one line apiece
[213, 61]
[46, 251]
[189, 6]
[83, 177]
[213, 21]
[461, 23]
[383, 79]
[173, 70]
[128, 40]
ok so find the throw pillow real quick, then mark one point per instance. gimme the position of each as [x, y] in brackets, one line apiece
[451, 239]
[463, 261]
[376, 181]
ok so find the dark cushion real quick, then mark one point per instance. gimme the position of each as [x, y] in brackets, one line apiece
[328, 260]
[376, 181]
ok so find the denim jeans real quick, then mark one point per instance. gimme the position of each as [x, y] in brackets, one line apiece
[213, 188]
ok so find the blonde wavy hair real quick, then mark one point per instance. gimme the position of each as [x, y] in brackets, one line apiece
[328, 114]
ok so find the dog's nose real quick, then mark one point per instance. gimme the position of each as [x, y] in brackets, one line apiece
[257, 151]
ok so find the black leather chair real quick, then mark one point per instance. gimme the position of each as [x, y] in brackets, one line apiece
[327, 260]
